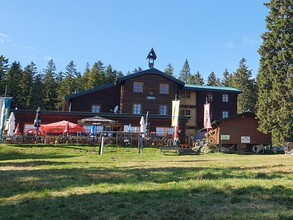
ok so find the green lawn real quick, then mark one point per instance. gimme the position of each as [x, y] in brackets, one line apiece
[74, 182]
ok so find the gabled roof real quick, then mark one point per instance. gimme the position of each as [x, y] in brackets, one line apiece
[243, 114]
[210, 88]
[150, 71]
[89, 91]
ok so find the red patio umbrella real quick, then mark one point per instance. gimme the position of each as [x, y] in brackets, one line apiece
[61, 127]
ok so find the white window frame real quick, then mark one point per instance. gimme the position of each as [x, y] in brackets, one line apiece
[225, 98]
[96, 108]
[225, 114]
[163, 110]
[138, 87]
[164, 88]
[136, 108]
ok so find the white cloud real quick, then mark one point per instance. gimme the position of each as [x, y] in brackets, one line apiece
[3, 35]
[248, 41]
[29, 47]
[229, 45]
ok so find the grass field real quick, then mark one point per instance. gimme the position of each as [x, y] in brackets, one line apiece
[74, 182]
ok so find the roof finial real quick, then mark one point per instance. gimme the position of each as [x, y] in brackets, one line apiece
[152, 57]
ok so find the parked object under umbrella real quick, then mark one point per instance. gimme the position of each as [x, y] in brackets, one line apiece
[37, 121]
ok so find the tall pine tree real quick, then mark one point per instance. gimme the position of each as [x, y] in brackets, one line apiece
[26, 86]
[185, 72]
[275, 76]
[12, 79]
[169, 70]
[3, 70]
[196, 79]
[50, 92]
[213, 80]
[227, 79]
[242, 80]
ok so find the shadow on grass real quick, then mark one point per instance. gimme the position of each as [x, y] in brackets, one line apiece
[191, 203]
[13, 182]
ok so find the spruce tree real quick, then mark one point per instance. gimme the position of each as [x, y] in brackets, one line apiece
[227, 79]
[169, 70]
[196, 79]
[50, 92]
[3, 69]
[185, 72]
[97, 75]
[37, 92]
[26, 86]
[12, 79]
[275, 76]
[243, 81]
[213, 80]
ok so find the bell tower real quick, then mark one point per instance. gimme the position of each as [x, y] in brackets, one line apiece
[152, 57]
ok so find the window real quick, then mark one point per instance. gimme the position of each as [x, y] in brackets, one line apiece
[96, 129]
[185, 95]
[161, 131]
[225, 98]
[136, 108]
[225, 114]
[130, 128]
[96, 108]
[185, 112]
[164, 89]
[163, 109]
[138, 87]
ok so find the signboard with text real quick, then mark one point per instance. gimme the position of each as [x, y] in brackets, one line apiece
[245, 139]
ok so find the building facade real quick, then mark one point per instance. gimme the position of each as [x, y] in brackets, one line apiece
[150, 91]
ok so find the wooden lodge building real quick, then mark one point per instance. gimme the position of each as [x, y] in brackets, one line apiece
[132, 96]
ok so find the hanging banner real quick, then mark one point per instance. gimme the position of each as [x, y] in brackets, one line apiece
[4, 111]
[207, 120]
[175, 112]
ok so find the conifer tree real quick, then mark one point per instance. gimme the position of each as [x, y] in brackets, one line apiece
[3, 69]
[26, 86]
[275, 76]
[242, 80]
[196, 79]
[213, 80]
[50, 93]
[227, 79]
[37, 93]
[97, 75]
[169, 70]
[12, 79]
[185, 72]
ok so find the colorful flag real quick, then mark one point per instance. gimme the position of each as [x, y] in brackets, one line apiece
[175, 112]
[4, 111]
[207, 120]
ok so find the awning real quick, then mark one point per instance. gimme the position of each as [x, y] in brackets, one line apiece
[95, 121]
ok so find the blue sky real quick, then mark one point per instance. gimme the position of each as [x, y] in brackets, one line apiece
[212, 34]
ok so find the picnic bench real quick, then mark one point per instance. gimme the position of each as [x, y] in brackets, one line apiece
[170, 148]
